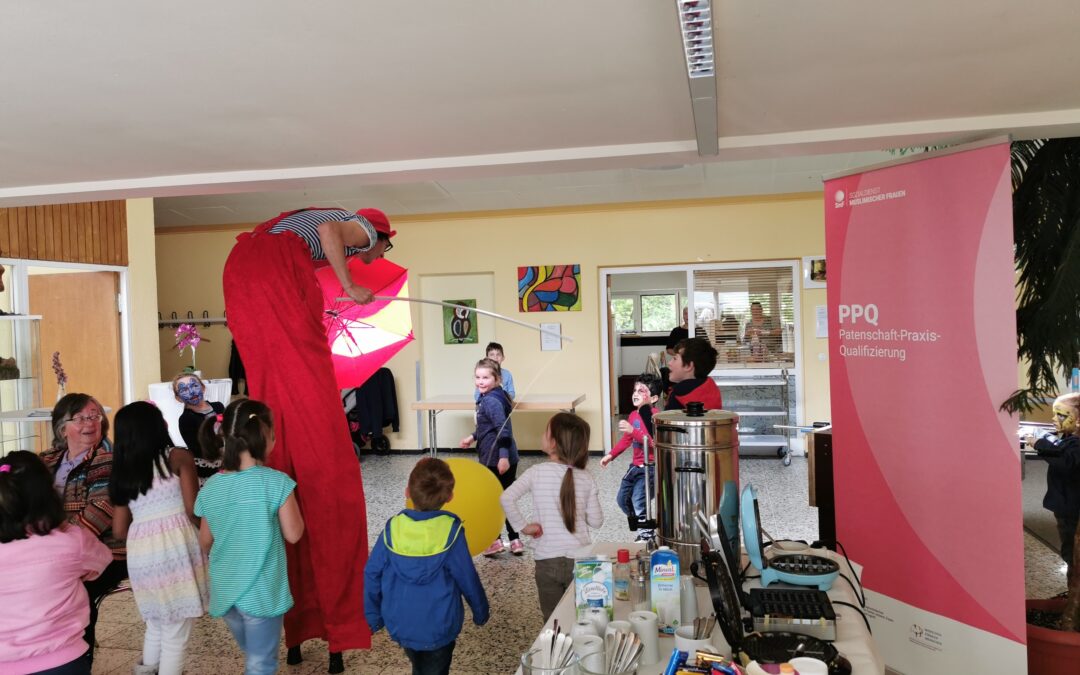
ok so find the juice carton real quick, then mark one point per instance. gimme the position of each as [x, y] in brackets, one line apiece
[664, 580]
[593, 585]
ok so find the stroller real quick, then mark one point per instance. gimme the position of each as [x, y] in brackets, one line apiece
[369, 409]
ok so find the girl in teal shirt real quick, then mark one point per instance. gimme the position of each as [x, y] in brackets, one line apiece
[249, 511]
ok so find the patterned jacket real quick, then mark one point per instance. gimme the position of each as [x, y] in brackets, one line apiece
[86, 494]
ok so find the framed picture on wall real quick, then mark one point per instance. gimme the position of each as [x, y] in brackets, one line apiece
[549, 288]
[459, 325]
[813, 271]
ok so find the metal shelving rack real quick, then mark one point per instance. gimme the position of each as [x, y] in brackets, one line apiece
[20, 396]
[770, 412]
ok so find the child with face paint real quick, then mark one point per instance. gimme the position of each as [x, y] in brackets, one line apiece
[191, 391]
[1061, 450]
[636, 429]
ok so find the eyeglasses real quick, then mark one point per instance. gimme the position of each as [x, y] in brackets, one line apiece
[389, 247]
[83, 419]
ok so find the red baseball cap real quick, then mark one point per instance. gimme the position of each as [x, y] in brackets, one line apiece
[378, 220]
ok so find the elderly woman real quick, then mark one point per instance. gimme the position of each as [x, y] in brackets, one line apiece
[275, 310]
[81, 464]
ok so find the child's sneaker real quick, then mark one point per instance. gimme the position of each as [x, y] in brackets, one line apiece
[644, 535]
[495, 549]
[516, 547]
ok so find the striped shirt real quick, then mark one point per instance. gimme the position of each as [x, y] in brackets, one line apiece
[305, 224]
[247, 558]
[544, 482]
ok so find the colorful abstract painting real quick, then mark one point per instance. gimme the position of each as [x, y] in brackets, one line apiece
[549, 288]
[459, 325]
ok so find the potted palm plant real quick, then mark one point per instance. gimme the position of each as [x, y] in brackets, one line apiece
[1046, 222]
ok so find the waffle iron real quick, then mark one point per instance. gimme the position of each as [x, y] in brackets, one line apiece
[794, 569]
[771, 647]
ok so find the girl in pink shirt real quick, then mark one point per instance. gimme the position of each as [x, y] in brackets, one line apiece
[45, 562]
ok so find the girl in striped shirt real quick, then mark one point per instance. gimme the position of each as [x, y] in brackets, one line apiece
[565, 505]
[249, 511]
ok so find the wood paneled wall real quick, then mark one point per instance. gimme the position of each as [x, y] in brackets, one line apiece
[92, 232]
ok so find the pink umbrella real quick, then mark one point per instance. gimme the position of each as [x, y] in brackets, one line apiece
[364, 337]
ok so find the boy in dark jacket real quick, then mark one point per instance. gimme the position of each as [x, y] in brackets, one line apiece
[418, 572]
[689, 372]
[1061, 450]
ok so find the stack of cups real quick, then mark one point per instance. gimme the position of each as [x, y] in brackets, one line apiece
[645, 625]
[590, 649]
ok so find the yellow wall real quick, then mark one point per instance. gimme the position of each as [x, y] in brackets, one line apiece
[189, 270]
[143, 296]
[723, 230]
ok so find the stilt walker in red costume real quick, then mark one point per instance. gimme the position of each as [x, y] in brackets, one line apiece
[275, 307]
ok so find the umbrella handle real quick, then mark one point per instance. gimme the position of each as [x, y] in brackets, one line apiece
[494, 315]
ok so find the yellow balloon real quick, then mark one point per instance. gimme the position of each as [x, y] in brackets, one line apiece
[476, 502]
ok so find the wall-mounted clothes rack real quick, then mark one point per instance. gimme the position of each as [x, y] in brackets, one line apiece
[205, 320]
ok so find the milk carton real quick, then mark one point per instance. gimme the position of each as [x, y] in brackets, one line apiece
[664, 582]
[593, 585]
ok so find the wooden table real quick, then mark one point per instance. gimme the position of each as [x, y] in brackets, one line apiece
[436, 404]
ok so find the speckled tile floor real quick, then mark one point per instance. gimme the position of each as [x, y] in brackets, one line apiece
[515, 620]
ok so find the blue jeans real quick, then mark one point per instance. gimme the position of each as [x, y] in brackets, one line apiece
[631, 497]
[434, 662]
[258, 638]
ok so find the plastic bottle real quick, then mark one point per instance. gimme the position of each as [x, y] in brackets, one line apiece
[622, 575]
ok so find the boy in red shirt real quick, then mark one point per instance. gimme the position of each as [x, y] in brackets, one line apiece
[689, 372]
[637, 428]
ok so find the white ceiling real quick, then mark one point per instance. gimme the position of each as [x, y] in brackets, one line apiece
[476, 104]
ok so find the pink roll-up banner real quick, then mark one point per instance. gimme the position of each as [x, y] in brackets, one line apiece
[922, 349]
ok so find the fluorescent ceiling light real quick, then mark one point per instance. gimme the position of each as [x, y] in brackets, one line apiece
[695, 20]
[695, 25]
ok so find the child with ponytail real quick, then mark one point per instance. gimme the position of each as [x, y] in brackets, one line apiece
[565, 505]
[248, 513]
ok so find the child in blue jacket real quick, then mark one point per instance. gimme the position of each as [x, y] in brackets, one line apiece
[494, 438]
[418, 572]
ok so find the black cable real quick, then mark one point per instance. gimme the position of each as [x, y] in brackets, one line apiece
[845, 578]
[861, 593]
[865, 620]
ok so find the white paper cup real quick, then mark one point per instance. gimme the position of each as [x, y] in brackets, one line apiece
[618, 626]
[685, 642]
[644, 623]
[599, 617]
[590, 649]
[583, 627]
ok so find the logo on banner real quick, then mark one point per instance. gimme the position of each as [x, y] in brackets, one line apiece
[926, 638]
[863, 196]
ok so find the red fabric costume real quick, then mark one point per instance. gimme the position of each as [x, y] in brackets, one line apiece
[274, 307]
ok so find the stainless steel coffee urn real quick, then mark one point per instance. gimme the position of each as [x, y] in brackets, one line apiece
[696, 459]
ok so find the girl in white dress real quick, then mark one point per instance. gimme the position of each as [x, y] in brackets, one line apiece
[153, 488]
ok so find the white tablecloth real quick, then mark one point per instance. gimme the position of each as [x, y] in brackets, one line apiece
[853, 640]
